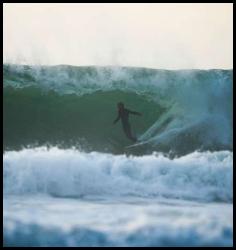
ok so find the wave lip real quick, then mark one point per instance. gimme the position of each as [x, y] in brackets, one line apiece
[69, 173]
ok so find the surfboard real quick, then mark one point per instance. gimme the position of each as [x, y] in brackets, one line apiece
[136, 144]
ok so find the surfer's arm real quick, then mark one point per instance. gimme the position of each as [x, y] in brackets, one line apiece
[134, 112]
[117, 119]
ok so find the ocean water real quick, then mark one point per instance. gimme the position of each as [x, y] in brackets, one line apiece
[70, 179]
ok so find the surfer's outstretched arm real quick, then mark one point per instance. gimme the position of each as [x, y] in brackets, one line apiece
[117, 119]
[134, 112]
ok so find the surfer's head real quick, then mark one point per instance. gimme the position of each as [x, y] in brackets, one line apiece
[120, 105]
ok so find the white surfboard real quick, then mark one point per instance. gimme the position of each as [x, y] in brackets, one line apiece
[136, 144]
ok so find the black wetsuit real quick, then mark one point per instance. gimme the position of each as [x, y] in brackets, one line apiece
[124, 115]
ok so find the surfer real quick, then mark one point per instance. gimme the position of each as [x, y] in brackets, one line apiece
[123, 114]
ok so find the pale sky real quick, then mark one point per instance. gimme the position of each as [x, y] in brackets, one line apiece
[168, 36]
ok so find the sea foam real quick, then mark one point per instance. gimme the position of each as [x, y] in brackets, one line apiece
[205, 176]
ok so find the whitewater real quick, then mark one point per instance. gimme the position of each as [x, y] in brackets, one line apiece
[69, 178]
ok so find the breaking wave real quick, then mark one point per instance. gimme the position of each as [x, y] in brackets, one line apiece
[69, 173]
[64, 106]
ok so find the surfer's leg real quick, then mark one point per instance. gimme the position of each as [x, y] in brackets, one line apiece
[128, 133]
[133, 139]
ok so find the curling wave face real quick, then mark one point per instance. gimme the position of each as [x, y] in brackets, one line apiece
[67, 106]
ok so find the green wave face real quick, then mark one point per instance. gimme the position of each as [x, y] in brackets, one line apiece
[34, 117]
[75, 106]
